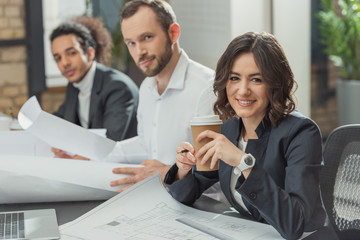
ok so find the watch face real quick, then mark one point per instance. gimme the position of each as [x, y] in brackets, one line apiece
[248, 160]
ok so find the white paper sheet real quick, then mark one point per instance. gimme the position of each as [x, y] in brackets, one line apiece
[147, 211]
[44, 179]
[62, 134]
[24, 143]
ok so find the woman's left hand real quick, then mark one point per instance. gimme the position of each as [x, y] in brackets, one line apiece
[219, 148]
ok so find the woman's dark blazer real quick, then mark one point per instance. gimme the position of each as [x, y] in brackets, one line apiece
[113, 104]
[283, 186]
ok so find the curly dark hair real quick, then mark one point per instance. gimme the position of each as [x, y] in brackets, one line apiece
[101, 36]
[274, 68]
[164, 12]
[83, 34]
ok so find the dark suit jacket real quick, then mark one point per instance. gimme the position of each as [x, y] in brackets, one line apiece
[283, 186]
[113, 104]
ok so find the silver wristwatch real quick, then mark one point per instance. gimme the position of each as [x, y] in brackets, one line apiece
[247, 161]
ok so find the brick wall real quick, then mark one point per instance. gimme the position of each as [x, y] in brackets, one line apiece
[13, 72]
[52, 98]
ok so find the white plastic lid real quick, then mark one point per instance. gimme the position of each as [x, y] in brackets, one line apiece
[206, 120]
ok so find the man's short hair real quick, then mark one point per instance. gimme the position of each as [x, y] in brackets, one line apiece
[164, 12]
[81, 32]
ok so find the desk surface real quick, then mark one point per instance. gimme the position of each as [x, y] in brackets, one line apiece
[68, 211]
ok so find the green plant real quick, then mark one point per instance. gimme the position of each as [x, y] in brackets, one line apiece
[340, 34]
[120, 54]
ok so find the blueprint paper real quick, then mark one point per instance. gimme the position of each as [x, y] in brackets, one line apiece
[62, 134]
[27, 179]
[147, 211]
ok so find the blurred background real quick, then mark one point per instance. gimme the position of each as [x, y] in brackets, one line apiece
[207, 26]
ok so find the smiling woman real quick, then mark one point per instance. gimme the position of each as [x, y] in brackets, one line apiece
[269, 155]
[246, 91]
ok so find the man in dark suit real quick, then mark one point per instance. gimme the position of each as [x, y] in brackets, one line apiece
[96, 96]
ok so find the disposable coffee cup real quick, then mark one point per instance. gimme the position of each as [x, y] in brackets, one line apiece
[198, 125]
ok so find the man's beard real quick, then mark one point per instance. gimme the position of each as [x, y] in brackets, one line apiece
[163, 60]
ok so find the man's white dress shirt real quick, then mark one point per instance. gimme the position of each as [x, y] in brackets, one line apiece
[163, 120]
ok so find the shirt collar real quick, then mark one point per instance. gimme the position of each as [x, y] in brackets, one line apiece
[86, 83]
[264, 125]
[177, 79]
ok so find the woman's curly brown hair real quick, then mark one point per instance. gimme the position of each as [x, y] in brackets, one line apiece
[101, 35]
[274, 68]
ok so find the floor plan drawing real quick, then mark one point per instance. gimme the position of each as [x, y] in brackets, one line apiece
[147, 211]
[152, 224]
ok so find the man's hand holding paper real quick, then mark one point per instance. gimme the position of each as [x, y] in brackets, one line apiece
[150, 168]
[45, 179]
[58, 153]
[62, 134]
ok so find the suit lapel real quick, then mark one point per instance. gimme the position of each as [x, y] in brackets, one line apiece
[94, 98]
[72, 109]
[257, 147]
[232, 131]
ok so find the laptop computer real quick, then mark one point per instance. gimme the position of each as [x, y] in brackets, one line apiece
[29, 224]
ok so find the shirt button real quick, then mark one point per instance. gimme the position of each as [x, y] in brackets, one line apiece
[252, 196]
[154, 150]
[154, 124]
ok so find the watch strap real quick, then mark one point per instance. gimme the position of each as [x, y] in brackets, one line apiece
[243, 164]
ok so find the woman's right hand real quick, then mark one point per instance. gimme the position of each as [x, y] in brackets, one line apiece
[185, 159]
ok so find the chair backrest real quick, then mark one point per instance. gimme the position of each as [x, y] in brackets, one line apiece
[340, 180]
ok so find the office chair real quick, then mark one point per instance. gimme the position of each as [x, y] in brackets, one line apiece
[340, 180]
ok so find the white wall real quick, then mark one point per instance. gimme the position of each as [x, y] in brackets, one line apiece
[205, 28]
[292, 28]
[249, 16]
